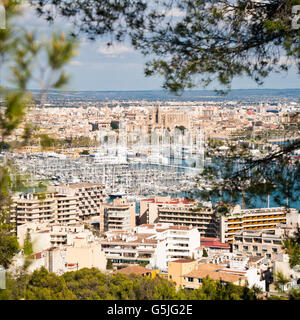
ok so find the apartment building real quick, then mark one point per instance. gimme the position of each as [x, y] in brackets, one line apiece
[253, 219]
[149, 207]
[154, 244]
[77, 255]
[262, 243]
[119, 215]
[64, 204]
[84, 254]
[211, 246]
[179, 212]
[189, 274]
[193, 279]
[128, 247]
[33, 207]
[66, 209]
[45, 236]
[90, 198]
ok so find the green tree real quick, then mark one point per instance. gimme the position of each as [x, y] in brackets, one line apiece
[193, 41]
[27, 246]
[44, 285]
[9, 246]
[294, 294]
[280, 280]
[114, 125]
[109, 264]
[20, 54]
[85, 152]
[292, 246]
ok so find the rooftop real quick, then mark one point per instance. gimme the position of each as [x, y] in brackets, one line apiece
[183, 260]
[133, 269]
[214, 272]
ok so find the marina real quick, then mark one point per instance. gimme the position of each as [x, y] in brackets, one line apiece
[132, 180]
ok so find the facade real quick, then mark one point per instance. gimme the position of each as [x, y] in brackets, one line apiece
[253, 219]
[66, 209]
[63, 205]
[189, 274]
[154, 244]
[124, 248]
[167, 118]
[177, 268]
[179, 212]
[211, 246]
[281, 264]
[262, 243]
[45, 236]
[84, 254]
[90, 198]
[119, 215]
[61, 248]
[33, 207]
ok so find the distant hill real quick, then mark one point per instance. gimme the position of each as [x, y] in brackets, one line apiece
[192, 95]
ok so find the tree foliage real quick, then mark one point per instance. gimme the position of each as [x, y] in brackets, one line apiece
[22, 54]
[91, 284]
[27, 246]
[292, 246]
[193, 41]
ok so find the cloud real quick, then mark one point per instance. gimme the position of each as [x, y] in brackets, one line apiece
[114, 50]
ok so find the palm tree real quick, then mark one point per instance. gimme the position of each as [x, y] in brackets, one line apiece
[280, 281]
[292, 247]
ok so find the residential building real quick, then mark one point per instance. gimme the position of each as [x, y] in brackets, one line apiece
[179, 267]
[64, 205]
[33, 207]
[45, 236]
[211, 246]
[253, 219]
[60, 249]
[137, 270]
[84, 254]
[119, 215]
[179, 212]
[281, 265]
[155, 244]
[190, 274]
[193, 279]
[66, 209]
[261, 243]
[90, 199]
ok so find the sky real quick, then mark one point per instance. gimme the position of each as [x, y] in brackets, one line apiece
[121, 68]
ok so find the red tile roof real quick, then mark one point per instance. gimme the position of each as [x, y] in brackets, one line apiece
[183, 260]
[213, 243]
[133, 269]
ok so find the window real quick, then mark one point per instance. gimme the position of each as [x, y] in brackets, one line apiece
[199, 280]
[255, 248]
[245, 247]
[274, 250]
[190, 279]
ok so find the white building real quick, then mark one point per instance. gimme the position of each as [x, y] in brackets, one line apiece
[155, 244]
[45, 236]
